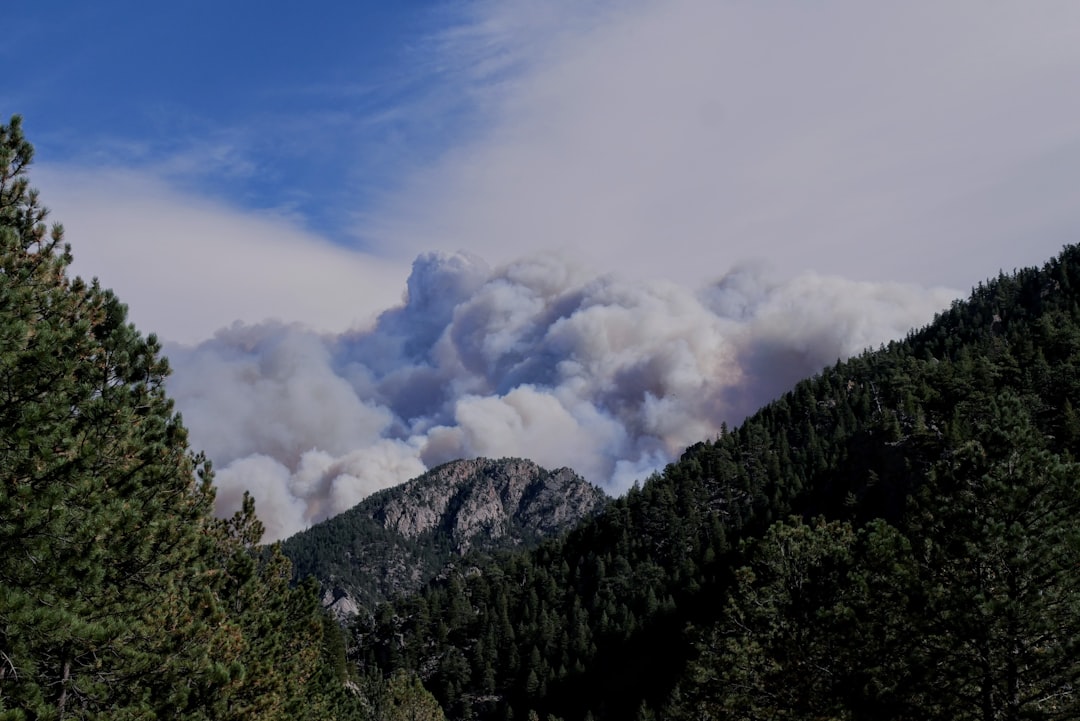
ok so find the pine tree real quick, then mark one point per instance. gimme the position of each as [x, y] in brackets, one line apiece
[101, 506]
[407, 700]
[121, 597]
[271, 634]
[997, 544]
[813, 629]
[971, 611]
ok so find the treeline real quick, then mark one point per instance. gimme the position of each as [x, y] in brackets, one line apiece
[894, 538]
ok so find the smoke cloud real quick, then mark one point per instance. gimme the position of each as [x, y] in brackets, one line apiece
[536, 358]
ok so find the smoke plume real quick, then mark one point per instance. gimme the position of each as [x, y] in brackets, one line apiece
[535, 359]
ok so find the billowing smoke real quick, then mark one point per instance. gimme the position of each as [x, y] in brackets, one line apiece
[535, 359]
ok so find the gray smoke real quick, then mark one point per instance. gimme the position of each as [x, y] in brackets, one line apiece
[534, 359]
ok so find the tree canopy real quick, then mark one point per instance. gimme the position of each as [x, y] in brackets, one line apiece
[895, 537]
[121, 596]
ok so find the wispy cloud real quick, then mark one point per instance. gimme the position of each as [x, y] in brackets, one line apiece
[863, 156]
[873, 142]
[187, 266]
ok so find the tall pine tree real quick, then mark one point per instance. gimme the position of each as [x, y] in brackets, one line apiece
[997, 545]
[121, 596]
[101, 512]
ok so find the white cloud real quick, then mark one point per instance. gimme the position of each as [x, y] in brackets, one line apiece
[187, 265]
[535, 359]
[924, 142]
[919, 141]
[866, 154]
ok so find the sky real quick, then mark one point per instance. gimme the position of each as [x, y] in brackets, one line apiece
[378, 236]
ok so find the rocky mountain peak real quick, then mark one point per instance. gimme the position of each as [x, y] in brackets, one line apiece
[399, 538]
[489, 499]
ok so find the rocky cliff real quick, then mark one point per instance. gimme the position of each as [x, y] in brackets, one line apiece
[398, 539]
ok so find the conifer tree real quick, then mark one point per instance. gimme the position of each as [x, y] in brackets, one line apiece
[121, 596]
[101, 509]
[407, 700]
[274, 632]
[810, 630]
[997, 544]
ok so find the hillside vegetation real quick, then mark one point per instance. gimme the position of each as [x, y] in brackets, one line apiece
[894, 538]
[121, 596]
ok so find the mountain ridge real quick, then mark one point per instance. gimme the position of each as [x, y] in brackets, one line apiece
[681, 599]
[401, 537]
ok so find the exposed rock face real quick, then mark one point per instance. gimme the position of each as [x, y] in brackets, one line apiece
[489, 500]
[396, 540]
[339, 603]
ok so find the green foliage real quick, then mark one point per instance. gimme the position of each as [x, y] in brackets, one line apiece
[941, 467]
[408, 700]
[813, 629]
[997, 541]
[101, 512]
[969, 610]
[121, 597]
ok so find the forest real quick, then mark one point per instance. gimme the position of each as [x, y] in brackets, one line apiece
[894, 538]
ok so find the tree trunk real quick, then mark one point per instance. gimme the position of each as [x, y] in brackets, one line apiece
[65, 677]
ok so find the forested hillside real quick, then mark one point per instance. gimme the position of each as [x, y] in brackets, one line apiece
[894, 538]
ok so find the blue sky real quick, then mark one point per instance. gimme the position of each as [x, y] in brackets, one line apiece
[379, 236]
[924, 142]
[235, 134]
[259, 104]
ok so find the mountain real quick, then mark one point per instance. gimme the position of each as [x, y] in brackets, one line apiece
[398, 539]
[893, 538]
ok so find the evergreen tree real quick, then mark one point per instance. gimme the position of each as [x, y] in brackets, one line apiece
[273, 631]
[813, 629]
[971, 611]
[406, 699]
[997, 541]
[121, 597]
[101, 510]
